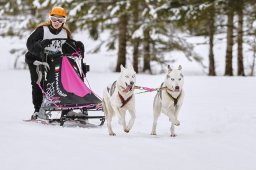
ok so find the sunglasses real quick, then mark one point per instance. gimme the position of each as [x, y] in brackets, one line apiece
[55, 19]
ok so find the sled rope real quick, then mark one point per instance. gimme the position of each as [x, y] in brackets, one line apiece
[148, 89]
[91, 89]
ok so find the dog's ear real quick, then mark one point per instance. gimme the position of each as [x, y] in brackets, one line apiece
[169, 69]
[132, 67]
[179, 68]
[129, 66]
[122, 67]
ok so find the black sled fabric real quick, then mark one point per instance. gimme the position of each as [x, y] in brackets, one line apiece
[56, 95]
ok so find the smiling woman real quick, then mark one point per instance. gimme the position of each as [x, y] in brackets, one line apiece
[58, 17]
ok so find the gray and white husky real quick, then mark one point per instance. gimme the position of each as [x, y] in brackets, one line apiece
[169, 98]
[119, 98]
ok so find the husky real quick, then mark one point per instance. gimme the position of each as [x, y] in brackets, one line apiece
[169, 99]
[119, 98]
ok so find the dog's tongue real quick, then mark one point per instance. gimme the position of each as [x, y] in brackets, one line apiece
[127, 89]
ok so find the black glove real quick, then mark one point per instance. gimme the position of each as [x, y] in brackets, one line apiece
[80, 46]
[85, 68]
[45, 43]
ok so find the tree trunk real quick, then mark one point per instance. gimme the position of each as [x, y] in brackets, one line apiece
[122, 42]
[240, 65]
[253, 63]
[136, 55]
[254, 58]
[135, 41]
[211, 39]
[146, 50]
[229, 68]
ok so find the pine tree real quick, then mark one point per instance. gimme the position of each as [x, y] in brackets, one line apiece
[121, 60]
[211, 27]
[135, 40]
[229, 49]
[148, 27]
[239, 7]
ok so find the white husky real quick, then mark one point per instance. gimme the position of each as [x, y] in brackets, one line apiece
[119, 97]
[169, 99]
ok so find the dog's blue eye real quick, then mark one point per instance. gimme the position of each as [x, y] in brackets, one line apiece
[172, 79]
[179, 79]
[133, 76]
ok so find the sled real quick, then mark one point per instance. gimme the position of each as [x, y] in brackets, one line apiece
[63, 87]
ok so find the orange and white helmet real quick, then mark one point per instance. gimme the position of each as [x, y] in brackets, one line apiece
[59, 11]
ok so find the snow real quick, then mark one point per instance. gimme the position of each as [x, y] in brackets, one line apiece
[114, 10]
[217, 130]
[139, 32]
[39, 4]
[74, 11]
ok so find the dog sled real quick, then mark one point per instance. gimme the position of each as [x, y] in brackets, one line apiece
[61, 77]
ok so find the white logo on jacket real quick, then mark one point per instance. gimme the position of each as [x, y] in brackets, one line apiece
[56, 45]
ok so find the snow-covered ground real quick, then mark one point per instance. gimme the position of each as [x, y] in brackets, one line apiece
[217, 131]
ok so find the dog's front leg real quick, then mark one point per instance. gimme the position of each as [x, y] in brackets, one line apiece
[131, 121]
[177, 109]
[173, 130]
[174, 121]
[173, 118]
[121, 116]
[123, 121]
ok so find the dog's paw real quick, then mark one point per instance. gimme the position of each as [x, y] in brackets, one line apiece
[177, 123]
[126, 130]
[173, 135]
[112, 134]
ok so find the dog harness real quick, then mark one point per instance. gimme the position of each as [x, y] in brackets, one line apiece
[175, 100]
[112, 88]
[111, 91]
[124, 102]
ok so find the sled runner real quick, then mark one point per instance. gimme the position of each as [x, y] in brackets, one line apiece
[61, 77]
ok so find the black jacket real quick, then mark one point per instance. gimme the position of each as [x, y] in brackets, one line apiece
[33, 44]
